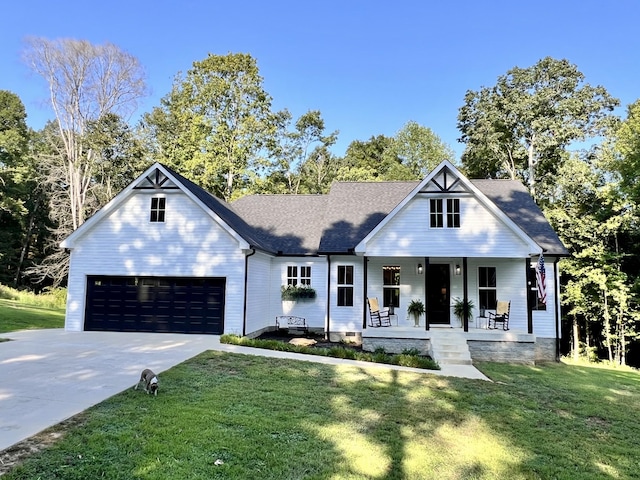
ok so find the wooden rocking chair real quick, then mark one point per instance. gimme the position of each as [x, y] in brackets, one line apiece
[378, 317]
[500, 317]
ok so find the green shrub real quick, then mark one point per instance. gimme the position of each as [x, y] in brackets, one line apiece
[411, 359]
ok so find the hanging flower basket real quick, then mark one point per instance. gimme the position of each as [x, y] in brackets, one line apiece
[297, 292]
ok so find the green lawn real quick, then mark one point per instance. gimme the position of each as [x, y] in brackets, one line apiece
[231, 416]
[16, 315]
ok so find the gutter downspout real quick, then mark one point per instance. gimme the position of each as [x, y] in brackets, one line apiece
[327, 322]
[558, 314]
[246, 281]
[465, 292]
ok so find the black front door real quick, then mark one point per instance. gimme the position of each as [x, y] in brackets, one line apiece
[438, 294]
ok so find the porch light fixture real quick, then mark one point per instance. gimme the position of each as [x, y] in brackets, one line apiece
[419, 269]
[458, 270]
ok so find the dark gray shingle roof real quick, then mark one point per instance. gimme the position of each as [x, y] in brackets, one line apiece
[513, 198]
[291, 224]
[337, 222]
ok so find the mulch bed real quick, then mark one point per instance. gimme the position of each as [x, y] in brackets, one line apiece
[321, 342]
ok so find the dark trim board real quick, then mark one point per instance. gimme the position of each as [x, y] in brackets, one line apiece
[155, 304]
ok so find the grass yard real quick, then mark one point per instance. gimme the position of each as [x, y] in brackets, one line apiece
[231, 416]
[16, 315]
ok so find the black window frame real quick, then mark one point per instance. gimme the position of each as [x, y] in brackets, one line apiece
[158, 210]
[487, 288]
[534, 302]
[436, 213]
[345, 286]
[453, 213]
[391, 285]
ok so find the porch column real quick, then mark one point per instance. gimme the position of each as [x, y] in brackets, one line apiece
[365, 274]
[426, 289]
[527, 267]
[465, 292]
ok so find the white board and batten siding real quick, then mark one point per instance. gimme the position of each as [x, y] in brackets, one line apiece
[481, 234]
[189, 243]
[313, 310]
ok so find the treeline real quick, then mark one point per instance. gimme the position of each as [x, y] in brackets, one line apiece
[217, 127]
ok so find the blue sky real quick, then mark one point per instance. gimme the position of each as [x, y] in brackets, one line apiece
[368, 66]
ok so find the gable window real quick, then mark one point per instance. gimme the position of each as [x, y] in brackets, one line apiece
[534, 301]
[441, 217]
[391, 286]
[158, 206]
[453, 212]
[487, 288]
[298, 275]
[345, 285]
[435, 213]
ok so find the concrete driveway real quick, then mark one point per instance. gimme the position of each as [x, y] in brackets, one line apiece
[47, 376]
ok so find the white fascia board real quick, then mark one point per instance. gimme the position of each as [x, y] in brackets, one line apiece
[535, 249]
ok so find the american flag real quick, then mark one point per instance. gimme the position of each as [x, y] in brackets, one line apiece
[541, 280]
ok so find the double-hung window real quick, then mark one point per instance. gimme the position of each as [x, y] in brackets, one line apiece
[444, 214]
[534, 301]
[391, 286]
[158, 206]
[487, 288]
[345, 285]
[298, 275]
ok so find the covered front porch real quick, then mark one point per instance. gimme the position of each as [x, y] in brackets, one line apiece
[449, 345]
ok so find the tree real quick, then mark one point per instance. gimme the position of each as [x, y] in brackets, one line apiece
[16, 183]
[295, 149]
[419, 149]
[520, 127]
[86, 82]
[216, 126]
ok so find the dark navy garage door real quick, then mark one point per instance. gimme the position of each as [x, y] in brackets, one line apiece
[155, 304]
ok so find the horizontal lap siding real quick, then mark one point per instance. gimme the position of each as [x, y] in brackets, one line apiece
[347, 319]
[259, 298]
[481, 234]
[313, 310]
[188, 244]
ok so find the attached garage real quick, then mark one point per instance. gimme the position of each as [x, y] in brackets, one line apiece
[155, 304]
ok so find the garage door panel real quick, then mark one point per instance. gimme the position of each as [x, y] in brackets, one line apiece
[149, 304]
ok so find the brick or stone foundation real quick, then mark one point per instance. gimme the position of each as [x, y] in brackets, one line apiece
[545, 350]
[504, 352]
[397, 345]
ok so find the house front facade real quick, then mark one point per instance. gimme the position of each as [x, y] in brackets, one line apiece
[164, 255]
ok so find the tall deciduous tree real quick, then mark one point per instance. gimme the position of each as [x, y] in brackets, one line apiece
[86, 82]
[216, 124]
[520, 127]
[419, 149]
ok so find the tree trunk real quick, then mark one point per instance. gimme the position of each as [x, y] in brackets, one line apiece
[576, 339]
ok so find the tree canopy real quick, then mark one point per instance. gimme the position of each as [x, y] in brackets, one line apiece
[520, 127]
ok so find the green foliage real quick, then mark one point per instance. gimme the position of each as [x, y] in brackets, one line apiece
[296, 292]
[415, 307]
[322, 421]
[338, 351]
[216, 125]
[55, 298]
[463, 309]
[520, 127]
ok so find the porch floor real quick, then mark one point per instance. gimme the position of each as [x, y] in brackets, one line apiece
[473, 333]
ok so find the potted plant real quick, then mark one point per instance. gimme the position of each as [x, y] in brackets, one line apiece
[463, 308]
[416, 308]
[297, 292]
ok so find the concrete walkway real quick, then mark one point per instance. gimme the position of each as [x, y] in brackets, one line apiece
[47, 376]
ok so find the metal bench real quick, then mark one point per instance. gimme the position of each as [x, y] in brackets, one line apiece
[291, 322]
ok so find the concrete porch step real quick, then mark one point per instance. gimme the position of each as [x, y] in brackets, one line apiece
[449, 347]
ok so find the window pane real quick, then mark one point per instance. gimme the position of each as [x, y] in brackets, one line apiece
[436, 216]
[391, 275]
[391, 296]
[453, 213]
[292, 275]
[487, 277]
[345, 275]
[345, 296]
